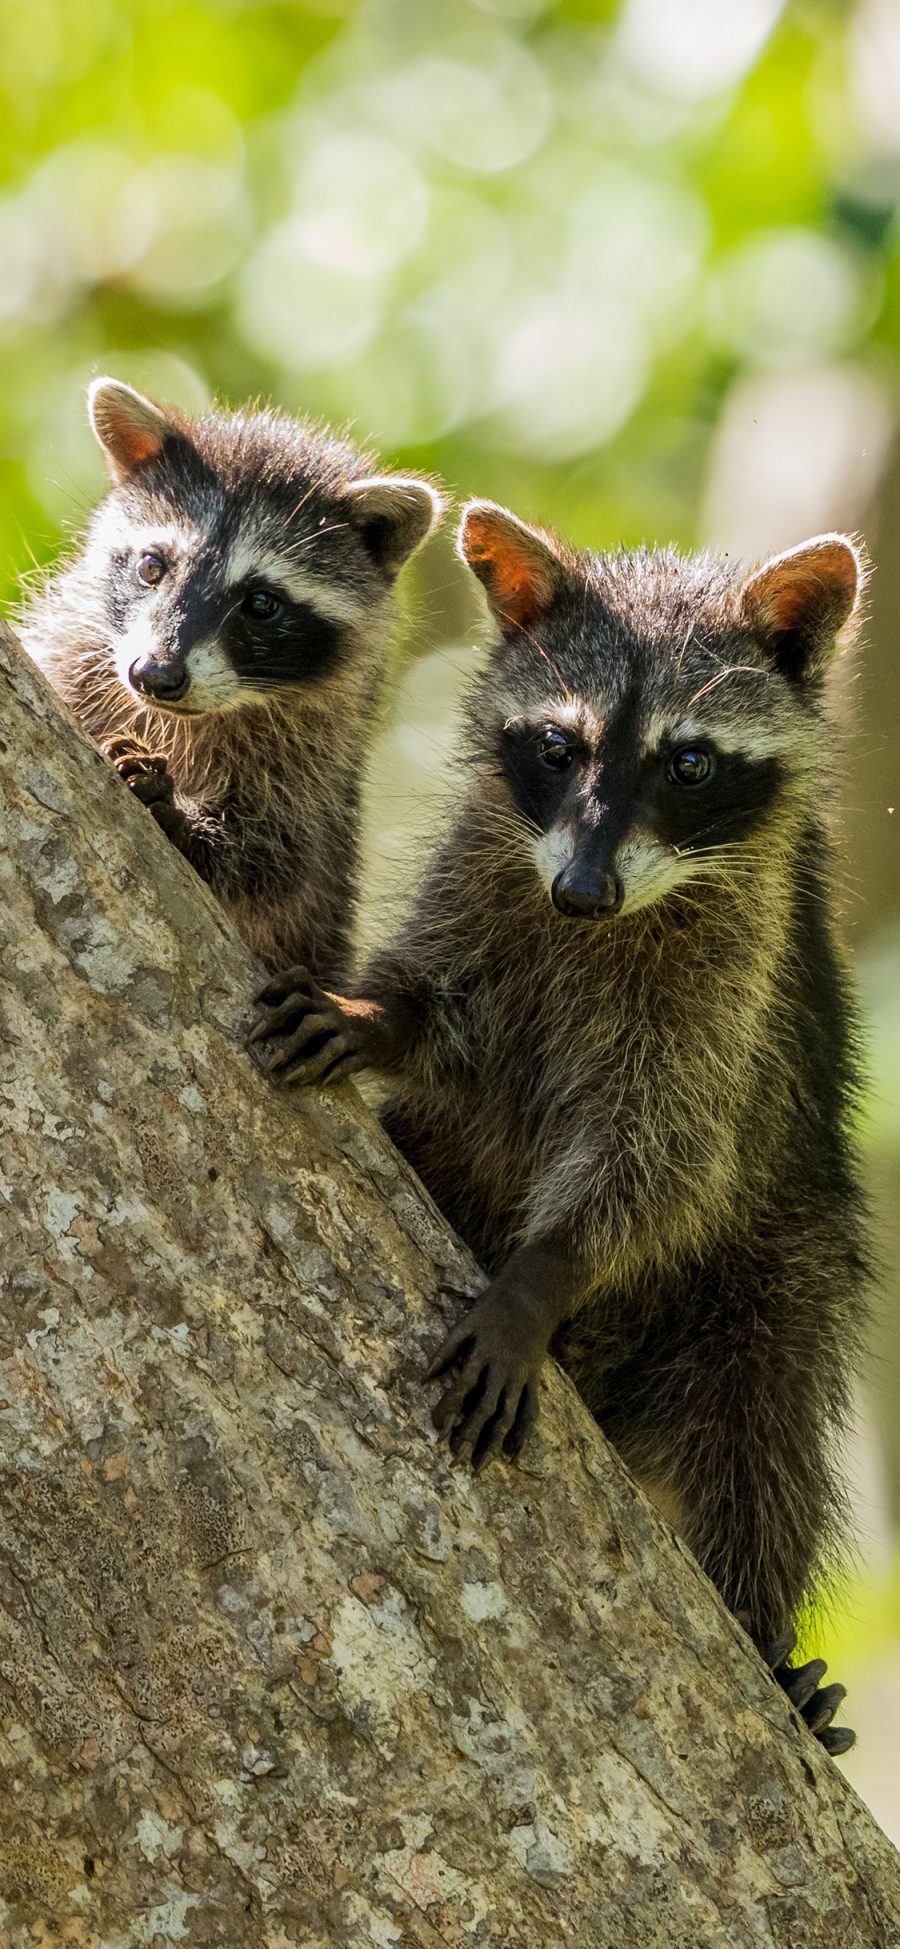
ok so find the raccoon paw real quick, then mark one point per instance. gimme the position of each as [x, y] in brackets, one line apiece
[492, 1404]
[147, 775]
[816, 1704]
[313, 1040]
[142, 770]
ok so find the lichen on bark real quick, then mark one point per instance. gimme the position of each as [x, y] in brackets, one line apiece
[271, 1672]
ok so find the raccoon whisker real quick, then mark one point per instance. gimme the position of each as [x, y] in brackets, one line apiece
[112, 705]
[733, 670]
[514, 829]
[494, 811]
[724, 849]
[722, 824]
[272, 686]
[300, 504]
[715, 825]
[38, 569]
[309, 541]
[233, 608]
[550, 663]
[498, 816]
[738, 862]
[74, 493]
[455, 655]
[681, 654]
[740, 891]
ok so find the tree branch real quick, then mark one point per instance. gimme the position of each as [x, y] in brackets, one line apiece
[270, 1671]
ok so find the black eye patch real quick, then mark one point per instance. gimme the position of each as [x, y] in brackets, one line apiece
[537, 787]
[733, 801]
[296, 646]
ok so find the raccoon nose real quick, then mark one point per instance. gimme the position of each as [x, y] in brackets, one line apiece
[586, 896]
[165, 681]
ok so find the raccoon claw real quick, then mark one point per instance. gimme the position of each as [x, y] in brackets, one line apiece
[311, 1028]
[816, 1704]
[144, 770]
[821, 1710]
[313, 1041]
[779, 1650]
[837, 1740]
[801, 1683]
[147, 775]
[287, 999]
[338, 1058]
[280, 987]
[491, 1405]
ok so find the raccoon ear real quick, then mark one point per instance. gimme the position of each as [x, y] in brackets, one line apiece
[129, 427]
[798, 602]
[519, 566]
[394, 515]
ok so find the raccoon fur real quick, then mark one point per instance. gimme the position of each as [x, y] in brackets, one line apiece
[220, 631]
[625, 1045]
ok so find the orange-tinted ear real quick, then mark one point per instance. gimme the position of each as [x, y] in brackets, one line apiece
[129, 427]
[798, 602]
[519, 566]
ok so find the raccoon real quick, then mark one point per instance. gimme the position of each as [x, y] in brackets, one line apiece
[625, 1044]
[220, 631]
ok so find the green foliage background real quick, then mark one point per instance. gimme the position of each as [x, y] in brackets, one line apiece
[548, 252]
[165, 163]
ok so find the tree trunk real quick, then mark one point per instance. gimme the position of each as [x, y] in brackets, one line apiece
[271, 1672]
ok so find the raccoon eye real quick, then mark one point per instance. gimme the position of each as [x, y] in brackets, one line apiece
[555, 749]
[262, 605]
[692, 766]
[151, 568]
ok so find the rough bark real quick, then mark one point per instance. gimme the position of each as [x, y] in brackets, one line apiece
[272, 1673]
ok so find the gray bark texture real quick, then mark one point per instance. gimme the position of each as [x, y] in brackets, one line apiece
[271, 1672]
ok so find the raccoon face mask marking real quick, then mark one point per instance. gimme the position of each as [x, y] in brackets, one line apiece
[269, 558]
[657, 713]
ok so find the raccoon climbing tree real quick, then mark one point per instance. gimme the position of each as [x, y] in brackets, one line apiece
[270, 1671]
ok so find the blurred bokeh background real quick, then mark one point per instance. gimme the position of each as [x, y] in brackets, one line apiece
[633, 268]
